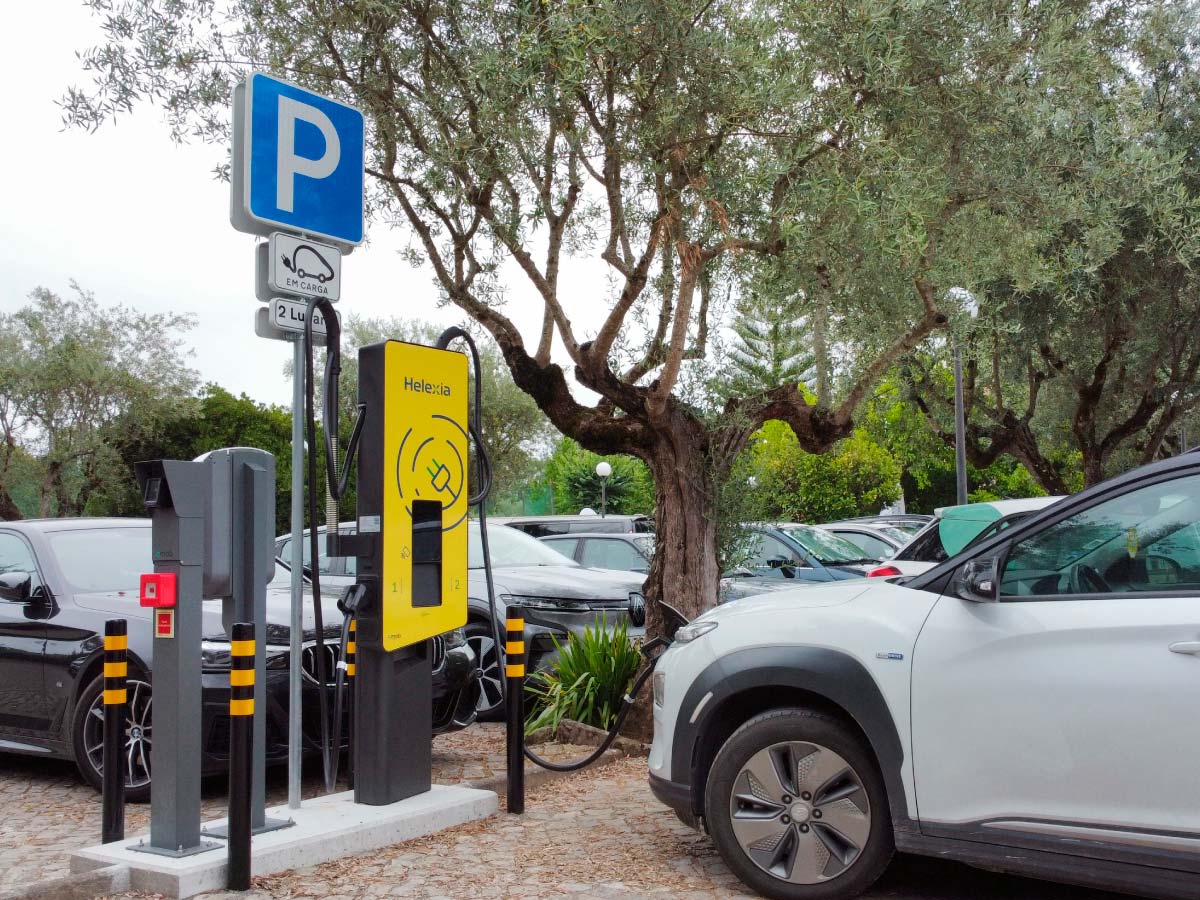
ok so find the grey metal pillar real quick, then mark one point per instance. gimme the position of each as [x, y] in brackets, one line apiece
[252, 522]
[295, 723]
[960, 427]
[176, 494]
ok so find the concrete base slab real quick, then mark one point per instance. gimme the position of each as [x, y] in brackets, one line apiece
[325, 828]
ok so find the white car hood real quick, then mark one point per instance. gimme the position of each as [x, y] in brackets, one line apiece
[802, 597]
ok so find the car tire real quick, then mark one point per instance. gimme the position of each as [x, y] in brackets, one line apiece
[814, 822]
[490, 661]
[87, 736]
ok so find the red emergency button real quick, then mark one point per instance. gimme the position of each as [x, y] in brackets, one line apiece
[158, 590]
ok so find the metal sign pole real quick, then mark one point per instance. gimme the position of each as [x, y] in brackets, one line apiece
[295, 733]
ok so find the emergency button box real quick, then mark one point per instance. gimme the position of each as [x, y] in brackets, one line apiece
[158, 590]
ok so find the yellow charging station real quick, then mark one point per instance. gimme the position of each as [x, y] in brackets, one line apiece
[411, 555]
[424, 535]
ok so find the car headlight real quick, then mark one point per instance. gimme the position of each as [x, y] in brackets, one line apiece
[660, 687]
[216, 655]
[545, 603]
[688, 633]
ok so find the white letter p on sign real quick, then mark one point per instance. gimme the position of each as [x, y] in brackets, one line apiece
[289, 165]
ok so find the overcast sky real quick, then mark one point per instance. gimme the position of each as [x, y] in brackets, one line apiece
[141, 221]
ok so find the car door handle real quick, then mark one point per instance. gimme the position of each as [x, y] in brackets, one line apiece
[1191, 648]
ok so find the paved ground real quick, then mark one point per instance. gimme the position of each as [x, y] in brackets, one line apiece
[600, 835]
[46, 809]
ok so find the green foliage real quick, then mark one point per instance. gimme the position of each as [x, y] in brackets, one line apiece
[587, 681]
[220, 420]
[857, 477]
[74, 378]
[771, 347]
[571, 473]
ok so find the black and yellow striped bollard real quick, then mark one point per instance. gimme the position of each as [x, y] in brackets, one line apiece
[116, 671]
[241, 743]
[514, 673]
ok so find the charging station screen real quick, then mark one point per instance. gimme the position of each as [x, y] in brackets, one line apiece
[424, 584]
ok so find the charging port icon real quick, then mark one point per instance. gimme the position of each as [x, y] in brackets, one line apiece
[439, 477]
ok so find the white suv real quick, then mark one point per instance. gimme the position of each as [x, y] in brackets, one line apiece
[1030, 705]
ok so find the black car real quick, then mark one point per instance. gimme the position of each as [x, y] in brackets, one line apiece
[560, 597]
[61, 579]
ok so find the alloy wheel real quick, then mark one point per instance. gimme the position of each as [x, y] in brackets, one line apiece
[484, 647]
[138, 733]
[800, 812]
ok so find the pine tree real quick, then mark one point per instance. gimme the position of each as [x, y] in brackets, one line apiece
[772, 346]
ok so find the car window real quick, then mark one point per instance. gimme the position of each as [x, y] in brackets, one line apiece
[95, 560]
[643, 526]
[564, 545]
[509, 547]
[925, 547]
[15, 556]
[768, 552]
[1143, 541]
[604, 553]
[599, 525]
[285, 553]
[874, 547]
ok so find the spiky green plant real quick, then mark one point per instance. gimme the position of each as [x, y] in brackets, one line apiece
[588, 679]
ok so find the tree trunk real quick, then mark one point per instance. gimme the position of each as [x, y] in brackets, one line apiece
[684, 572]
[1025, 449]
[50, 488]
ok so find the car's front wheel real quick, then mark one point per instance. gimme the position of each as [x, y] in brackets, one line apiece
[797, 808]
[87, 736]
[490, 661]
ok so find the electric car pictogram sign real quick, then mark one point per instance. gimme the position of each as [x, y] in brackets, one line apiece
[424, 577]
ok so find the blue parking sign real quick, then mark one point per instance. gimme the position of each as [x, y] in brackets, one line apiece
[297, 162]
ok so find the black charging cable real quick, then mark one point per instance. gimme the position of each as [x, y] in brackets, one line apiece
[484, 464]
[330, 732]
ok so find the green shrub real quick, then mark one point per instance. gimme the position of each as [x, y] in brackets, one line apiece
[587, 681]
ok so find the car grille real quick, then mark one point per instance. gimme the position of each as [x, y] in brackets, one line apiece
[308, 661]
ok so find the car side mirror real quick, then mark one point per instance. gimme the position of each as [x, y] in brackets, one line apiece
[978, 580]
[16, 587]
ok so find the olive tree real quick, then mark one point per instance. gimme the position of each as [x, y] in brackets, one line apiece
[861, 149]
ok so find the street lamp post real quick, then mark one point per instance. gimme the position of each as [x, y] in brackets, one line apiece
[960, 418]
[603, 469]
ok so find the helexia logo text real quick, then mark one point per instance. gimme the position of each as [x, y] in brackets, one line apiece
[426, 387]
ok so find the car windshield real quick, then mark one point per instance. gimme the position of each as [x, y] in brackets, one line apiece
[510, 547]
[94, 560]
[645, 543]
[827, 547]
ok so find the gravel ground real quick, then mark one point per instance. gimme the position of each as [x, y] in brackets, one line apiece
[598, 834]
[49, 810]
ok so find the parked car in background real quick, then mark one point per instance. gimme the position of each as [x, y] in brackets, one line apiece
[799, 553]
[876, 541]
[909, 523]
[544, 526]
[1026, 706]
[627, 552]
[952, 529]
[60, 580]
[633, 552]
[559, 597]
